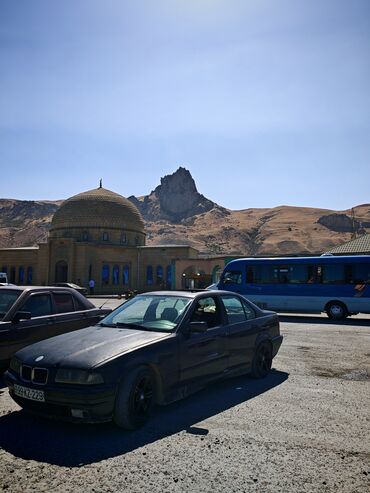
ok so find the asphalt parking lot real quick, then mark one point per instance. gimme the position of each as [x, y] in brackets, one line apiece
[304, 428]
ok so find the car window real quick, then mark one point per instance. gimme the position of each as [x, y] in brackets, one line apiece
[38, 305]
[249, 312]
[79, 305]
[170, 308]
[7, 299]
[63, 302]
[234, 309]
[149, 312]
[206, 310]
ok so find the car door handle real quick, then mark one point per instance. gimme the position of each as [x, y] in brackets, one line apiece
[51, 320]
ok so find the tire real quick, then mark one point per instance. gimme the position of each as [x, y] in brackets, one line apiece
[262, 360]
[336, 310]
[135, 399]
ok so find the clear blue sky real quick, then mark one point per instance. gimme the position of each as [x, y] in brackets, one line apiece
[266, 102]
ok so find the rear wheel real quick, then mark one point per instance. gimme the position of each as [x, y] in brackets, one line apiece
[262, 360]
[336, 310]
[135, 399]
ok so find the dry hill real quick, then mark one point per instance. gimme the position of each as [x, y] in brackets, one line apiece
[175, 212]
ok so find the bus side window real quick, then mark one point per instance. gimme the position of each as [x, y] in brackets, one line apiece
[250, 276]
[311, 274]
[333, 274]
[348, 278]
[361, 273]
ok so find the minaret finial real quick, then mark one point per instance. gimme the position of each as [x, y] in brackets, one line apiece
[101, 183]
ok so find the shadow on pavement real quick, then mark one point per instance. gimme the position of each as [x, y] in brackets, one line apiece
[74, 445]
[3, 386]
[324, 320]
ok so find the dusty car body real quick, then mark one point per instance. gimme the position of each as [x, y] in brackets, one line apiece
[30, 314]
[156, 348]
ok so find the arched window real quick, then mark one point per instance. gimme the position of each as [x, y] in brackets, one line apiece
[169, 276]
[85, 236]
[216, 273]
[159, 279]
[149, 274]
[12, 275]
[115, 276]
[105, 236]
[21, 275]
[61, 271]
[125, 274]
[105, 274]
[29, 275]
[123, 238]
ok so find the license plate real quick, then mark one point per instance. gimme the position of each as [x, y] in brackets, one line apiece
[32, 394]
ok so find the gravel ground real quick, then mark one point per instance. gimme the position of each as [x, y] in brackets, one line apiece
[304, 428]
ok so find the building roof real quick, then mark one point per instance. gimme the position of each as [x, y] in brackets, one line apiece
[357, 246]
[97, 208]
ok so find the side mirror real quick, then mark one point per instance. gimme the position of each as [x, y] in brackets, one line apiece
[198, 327]
[21, 316]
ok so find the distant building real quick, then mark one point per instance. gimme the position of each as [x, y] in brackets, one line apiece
[100, 235]
[358, 246]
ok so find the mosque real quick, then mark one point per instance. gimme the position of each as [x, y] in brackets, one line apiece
[100, 235]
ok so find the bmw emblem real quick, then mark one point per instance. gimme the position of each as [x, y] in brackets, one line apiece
[39, 358]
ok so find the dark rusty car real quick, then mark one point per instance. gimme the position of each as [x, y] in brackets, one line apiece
[154, 349]
[29, 314]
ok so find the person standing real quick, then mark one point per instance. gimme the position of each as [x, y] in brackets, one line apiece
[91, 286]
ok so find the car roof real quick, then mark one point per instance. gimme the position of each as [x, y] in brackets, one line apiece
[37, 288]
[189, 294]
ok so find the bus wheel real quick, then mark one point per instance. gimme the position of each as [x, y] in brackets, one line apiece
[336, 310]
[262, 360]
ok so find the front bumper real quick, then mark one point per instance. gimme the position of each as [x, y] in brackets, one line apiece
[93, 403]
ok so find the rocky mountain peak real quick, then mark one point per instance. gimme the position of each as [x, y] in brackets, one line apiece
[174, 200]
[179, 182]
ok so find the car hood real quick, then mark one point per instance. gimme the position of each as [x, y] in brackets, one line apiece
[88, 347]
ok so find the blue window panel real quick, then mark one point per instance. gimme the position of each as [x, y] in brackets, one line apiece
[115, 275]
[105, 274]
[149, 275]
[126, 274]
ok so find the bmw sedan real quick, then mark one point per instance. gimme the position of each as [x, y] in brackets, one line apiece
[154, 349]
[29, 314]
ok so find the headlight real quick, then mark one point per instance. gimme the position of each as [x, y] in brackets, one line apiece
[78, 377]
[15, 365]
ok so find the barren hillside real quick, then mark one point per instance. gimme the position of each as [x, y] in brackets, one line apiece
[175, 212]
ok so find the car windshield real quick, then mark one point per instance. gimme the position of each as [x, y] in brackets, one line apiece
[7, 299]
[149, 312]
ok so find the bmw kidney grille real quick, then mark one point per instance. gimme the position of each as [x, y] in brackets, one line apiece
[34, 375]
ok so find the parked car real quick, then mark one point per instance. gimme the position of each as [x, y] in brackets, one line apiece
[78, 288]
[30, 314]
[156, 348]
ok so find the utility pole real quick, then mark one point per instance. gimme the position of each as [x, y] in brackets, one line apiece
[353, 235]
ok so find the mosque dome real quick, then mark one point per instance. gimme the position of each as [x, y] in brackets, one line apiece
[97, 209]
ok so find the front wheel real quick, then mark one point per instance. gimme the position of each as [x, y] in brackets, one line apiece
[262, 360]
[337, 310]
[135, 399]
